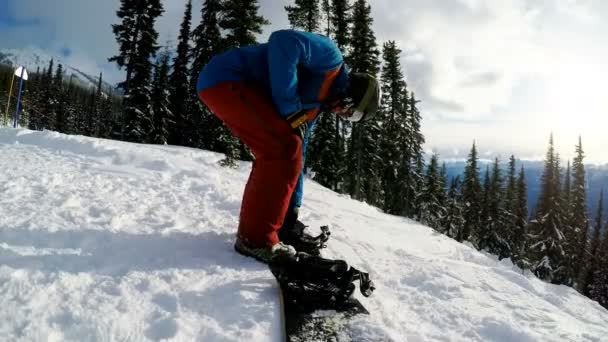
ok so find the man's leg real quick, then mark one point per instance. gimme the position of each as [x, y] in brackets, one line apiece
[278, 151]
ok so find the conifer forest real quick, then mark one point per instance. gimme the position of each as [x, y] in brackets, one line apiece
[381, 162]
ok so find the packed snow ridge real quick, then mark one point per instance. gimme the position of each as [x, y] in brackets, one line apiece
[109, 241]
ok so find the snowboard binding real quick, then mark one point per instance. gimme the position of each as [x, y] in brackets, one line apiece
[303, 242]
[314, 283]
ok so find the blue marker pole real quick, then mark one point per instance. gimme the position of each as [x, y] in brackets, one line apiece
[19, 98]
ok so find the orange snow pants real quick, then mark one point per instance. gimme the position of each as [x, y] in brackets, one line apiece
[252, 116]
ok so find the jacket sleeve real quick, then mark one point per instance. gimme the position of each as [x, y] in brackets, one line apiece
[286, 50]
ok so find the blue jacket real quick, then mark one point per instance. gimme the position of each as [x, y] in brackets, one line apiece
[299, 70]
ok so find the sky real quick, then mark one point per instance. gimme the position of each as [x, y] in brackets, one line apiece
[505, 74]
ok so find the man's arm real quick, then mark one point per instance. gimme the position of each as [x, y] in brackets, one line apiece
[285, 51]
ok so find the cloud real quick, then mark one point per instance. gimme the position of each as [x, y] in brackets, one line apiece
[482, 69]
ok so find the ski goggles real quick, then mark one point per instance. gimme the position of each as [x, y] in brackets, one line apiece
[357, 111]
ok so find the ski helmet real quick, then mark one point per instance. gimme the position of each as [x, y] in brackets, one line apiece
[363, 96]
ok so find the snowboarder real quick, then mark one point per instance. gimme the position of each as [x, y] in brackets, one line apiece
[270, 96]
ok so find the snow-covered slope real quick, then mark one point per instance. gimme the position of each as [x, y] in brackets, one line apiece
[33, 58]
[110, 241]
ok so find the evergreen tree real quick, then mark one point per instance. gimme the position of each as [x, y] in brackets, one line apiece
[241, 22]
[566, 194]
[203, 129]
[547, 252]
[433, 197]
[492, 235]
[519, 237]
[304, 15]
[485, 207]
[137, 37]
[180, 91]
[127, 33]
[326, 7]
[42, 118]
[453, 222]
[443, 174]
[341, 19]
[394, 116]
[99, 110]
[590, 266]
[160, 105]
[363, 174]
[599, 286]
[510, 199]
[577, 229]
[415, 154]
[104, 111]
[326, 153]
[57, 111]
[471, 197]
[61, 113]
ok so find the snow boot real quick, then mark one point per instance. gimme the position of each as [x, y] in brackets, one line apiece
[264, 254]
[292, 233]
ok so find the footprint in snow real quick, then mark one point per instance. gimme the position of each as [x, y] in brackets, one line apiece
[166, 302]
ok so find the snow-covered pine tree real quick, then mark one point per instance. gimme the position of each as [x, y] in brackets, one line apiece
[180, 130]
[432, 209]
[485, 208]
[304, 15]
[57, 116]
[136, 37]
[599, 287]
[325, 153]
[519, 238]
[471, 197]
[326, 148]
[100, 110]
[207, 41]
[92, 115]
[492, 235]
[242, 22]
[104, 111]
[341, 19]
[160, 100]
[72, 106]
[326, 7]
[592, 263]
[567, 191]
[443, 173]
[41, 119]
[577, 229]
[415, 153]
[510, 201]
[453, 221]
[363, 179]
[547, 252]
[394, 116]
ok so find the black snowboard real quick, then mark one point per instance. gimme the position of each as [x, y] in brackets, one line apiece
[329, 324]
[317, 297]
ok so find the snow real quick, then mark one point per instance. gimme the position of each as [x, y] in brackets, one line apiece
[109, 241]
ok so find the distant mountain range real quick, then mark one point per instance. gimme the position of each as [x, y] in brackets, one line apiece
[33, 58]
[596, 177]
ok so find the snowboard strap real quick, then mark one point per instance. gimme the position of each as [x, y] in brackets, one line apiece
[319, 283]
